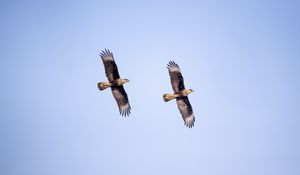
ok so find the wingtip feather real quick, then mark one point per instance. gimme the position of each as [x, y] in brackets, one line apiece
[173, 67]
[106, 54]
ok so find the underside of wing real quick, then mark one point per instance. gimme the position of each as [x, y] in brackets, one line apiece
[122, 100]
[111, 69]
[186, 111]
[176, 77]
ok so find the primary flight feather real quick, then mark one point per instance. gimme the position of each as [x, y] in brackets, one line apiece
[180, 94]
[115, 82]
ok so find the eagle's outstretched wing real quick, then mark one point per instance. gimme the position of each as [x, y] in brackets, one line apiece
[122, 100]
[176, 77]
[186, 111]
[111, 69]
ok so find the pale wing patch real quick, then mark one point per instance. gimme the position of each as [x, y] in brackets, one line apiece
[125, 109]
[189, 121]
[107, 58]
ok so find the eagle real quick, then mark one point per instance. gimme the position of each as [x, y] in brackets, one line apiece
[180, 94]
[114, 82]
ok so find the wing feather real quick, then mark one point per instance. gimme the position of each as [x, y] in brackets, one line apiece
[122, 100]
[176, 77]
[186, 111]
[111, 69]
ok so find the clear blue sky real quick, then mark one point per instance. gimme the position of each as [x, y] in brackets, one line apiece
[242, 58]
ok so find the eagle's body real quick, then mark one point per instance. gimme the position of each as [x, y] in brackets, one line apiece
[180, 94]
[115, 82]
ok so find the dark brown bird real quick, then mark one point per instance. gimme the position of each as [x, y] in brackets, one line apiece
[180, 94]
[115, 82]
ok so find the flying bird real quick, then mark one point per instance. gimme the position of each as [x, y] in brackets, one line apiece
[115, 82]
[180, 94]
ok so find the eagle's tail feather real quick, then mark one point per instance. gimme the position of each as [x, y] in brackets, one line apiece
[168, 97]
[103, 85]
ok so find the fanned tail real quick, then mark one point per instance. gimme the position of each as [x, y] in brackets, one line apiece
[103, 85]
[168, 97]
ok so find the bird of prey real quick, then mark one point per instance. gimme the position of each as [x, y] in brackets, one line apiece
[114, 82]
[180, 94]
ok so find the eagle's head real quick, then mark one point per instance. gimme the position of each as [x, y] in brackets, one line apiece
[190, 91]
[186, 92]
[125, 80]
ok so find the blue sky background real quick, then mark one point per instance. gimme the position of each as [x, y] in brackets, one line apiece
[240, 57]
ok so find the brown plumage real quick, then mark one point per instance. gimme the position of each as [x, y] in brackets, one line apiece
[115, 82]
[180, 94]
